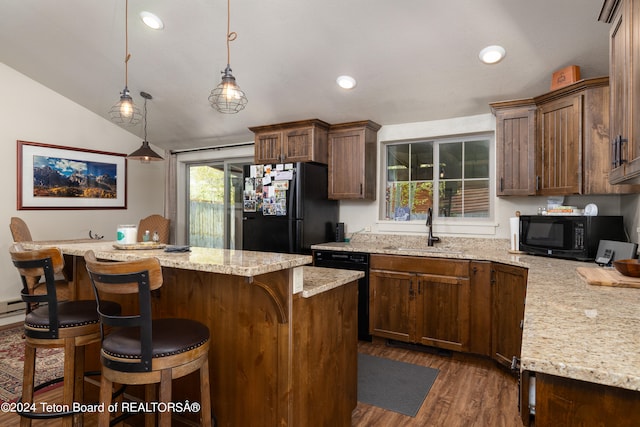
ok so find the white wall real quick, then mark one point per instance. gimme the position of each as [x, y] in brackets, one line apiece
[32, 112]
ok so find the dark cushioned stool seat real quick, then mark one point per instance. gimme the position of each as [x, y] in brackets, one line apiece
[170, 337]
[70, 314]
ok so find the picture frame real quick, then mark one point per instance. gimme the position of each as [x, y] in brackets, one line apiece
[57, 178]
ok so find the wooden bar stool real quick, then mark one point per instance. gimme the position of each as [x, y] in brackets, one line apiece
[68, 324]
[143, 350]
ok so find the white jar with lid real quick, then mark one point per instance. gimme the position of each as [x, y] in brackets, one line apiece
[127, 234]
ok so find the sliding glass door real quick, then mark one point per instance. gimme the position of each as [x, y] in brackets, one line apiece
[214, 204]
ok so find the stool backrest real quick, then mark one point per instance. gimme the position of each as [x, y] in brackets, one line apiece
[19, 230]
[121, 278]
[154, 223]
[32, 266]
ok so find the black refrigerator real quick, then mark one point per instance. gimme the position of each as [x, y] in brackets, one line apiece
[286, 208]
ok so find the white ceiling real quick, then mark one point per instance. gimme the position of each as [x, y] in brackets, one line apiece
[415, 60]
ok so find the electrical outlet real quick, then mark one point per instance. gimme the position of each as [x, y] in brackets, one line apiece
[367, 229]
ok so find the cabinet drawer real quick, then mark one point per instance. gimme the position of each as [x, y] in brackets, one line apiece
[427, 265]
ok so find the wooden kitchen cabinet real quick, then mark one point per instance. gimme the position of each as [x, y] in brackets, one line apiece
[624, 71]
[421, 300]
[515, 148]
[508, 293]
[572, 403]
[559, 150]
[353, 149]
[301, 141]
[571, 141]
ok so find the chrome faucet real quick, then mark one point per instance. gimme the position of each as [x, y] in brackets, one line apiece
[431, 240]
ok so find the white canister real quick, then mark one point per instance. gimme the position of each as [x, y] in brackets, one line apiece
[127, 234]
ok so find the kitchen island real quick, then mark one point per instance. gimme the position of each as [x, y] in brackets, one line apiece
[283, 335]
[575, 336]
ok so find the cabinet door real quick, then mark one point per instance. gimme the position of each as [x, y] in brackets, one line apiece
[392, 305]
[443, 311]
[268, 147]
[297, 145]
[515, 145]
[347, 165]
[624, 70]
[560, 148]
[508, 295]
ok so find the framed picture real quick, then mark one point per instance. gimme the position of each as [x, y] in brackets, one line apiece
[57, 177]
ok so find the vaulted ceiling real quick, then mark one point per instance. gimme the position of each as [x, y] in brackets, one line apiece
[414, 60]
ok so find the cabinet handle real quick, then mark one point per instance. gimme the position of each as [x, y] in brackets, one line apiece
[617, 143]
[537, 182]
[621, 159]
[361, 189]
[411, 291]
[501, 184]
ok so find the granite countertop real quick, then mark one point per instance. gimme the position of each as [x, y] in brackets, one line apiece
[223, 261]
[320, 279]
[241, 263]
[571, 329]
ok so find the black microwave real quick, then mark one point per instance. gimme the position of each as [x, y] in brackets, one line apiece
[570, 237]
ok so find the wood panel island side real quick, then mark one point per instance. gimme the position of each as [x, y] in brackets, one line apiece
[283, 335]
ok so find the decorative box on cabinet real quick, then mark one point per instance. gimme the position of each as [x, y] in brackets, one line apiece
[301, 141]
[624, 71]
[353, 149]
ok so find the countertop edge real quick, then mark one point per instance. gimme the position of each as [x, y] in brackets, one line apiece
[319, 279]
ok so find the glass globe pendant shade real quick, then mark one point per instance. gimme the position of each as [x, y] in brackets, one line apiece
[227, 97]
[124, 112]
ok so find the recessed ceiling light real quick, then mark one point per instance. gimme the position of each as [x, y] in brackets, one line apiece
[151, 20]
[346, 82]
[492, 54]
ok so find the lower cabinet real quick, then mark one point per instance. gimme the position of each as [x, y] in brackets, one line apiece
[572, 403]
[420, 300]
[509, 288]
[468, 306]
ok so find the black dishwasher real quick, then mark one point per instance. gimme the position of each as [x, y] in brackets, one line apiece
[351, 261]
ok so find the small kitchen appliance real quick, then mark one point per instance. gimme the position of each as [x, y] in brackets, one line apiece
[570, 237]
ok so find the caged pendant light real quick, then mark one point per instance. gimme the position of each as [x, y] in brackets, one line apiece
[227, 97]
[124, 112]
[145, 154]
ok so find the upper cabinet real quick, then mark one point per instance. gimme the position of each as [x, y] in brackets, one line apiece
[302, 141]
[556, 143]
[353, 149]
[515, 147]
[624, 69]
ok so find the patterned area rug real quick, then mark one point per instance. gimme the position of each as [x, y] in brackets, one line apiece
[49, 363]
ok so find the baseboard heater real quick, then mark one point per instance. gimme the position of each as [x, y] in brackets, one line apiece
[11, 307]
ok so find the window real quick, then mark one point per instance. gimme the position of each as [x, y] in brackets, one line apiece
[450, 175]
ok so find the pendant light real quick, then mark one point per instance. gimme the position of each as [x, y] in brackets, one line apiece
[124, 112]
[145, 154]
[227, 97]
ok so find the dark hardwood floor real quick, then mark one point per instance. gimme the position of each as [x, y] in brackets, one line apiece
[469, 391]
